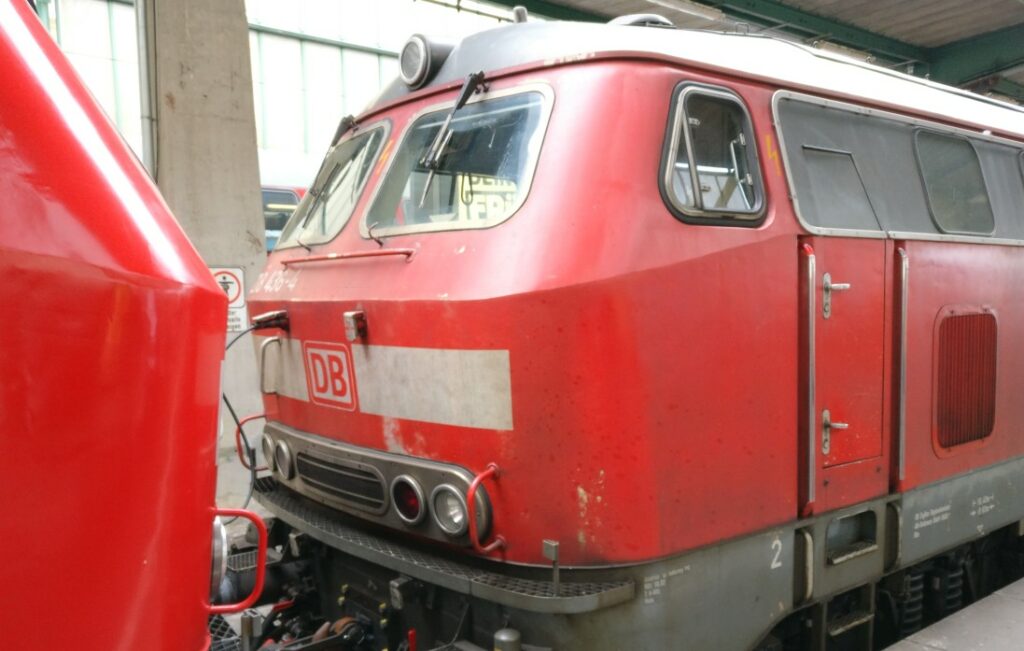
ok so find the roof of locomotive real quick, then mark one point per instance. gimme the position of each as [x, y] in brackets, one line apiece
[758, 57]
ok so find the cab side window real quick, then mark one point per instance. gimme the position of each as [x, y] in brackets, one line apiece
[711, 169]
[954, 184]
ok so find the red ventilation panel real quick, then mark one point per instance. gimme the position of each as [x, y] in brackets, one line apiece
[965, 383]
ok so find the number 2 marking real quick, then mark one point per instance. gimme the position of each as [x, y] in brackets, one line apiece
[777, 547]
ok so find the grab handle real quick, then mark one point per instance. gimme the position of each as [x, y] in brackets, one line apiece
[261, 562]
[474, 534]
[331, 257]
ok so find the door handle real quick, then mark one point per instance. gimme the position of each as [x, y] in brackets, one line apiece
[827, 425]
[827, 287]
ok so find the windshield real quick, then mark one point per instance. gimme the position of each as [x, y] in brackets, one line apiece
[331, 204]
[482, 175]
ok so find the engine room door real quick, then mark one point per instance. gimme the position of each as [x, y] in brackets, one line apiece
[842, 371]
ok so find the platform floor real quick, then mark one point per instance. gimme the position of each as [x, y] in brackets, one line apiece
[996, 623]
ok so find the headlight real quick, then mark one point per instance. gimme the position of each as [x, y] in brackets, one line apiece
[283, 460]
[407, 496]
[448, 507]
[413, 61]
[268, 452]
[421, 59]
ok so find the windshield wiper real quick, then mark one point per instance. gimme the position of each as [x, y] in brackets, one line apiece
[348, 123]
[336, 178]
[432, 159]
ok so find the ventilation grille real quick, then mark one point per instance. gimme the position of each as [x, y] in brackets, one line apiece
[351, 484]
[966, 381]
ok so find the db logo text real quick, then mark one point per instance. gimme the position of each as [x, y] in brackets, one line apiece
[329, 375]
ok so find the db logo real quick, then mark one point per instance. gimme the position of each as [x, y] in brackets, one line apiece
[329, 375]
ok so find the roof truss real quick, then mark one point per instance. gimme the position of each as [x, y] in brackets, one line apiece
[979, 56]
[775, 14]
[974, 62]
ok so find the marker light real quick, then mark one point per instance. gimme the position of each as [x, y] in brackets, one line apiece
[407, 497]
[283, 460]
[449, 509]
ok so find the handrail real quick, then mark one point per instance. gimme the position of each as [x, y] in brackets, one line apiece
[812, 419]
[902, 406]
[331, 257]
[474, 535]
[261, 562]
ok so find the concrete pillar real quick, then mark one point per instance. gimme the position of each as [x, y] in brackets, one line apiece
[203, 155]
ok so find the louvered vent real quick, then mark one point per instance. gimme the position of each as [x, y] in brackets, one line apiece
[966, 380]
[350, 483]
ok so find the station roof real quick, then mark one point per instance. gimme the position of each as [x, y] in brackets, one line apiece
[977, 45]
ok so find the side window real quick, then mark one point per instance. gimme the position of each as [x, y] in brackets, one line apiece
[711, 168]
[955, 187]
[836, 197]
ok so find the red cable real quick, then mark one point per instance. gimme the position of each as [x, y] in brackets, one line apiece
[282, 605]
[238, 441]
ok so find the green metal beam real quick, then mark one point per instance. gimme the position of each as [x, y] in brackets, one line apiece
[764, 13]
[555, 10]
[1000, 86]
[798, 21]
[978, 56]
[1008, 88]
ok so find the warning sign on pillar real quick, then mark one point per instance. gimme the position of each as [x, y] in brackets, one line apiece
[232, 281]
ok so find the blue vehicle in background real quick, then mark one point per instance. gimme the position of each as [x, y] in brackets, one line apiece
[278, 205]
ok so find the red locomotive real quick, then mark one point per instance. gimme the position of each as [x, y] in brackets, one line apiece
[109, 379]
[610, 337]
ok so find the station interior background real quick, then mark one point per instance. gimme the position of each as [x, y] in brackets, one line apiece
[313, 61]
